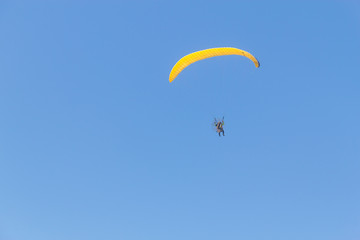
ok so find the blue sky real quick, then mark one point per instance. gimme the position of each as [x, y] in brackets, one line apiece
[95, 143]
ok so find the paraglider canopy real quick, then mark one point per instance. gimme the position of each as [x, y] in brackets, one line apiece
[208, 53]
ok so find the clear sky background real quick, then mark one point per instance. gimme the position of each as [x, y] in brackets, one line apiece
[95, 143]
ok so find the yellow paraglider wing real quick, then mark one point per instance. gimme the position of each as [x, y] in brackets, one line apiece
[207, 53]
